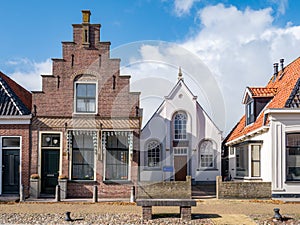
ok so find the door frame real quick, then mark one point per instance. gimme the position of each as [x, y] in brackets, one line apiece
[20, 166]
[181, 154]
[40, 153]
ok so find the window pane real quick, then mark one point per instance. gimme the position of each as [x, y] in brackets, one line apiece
[83, 157]
[116, 165]
[81, 90]
[255, 152]
[80, 106]
[255, 169]
[91, 105]
[154, 149]
[50, 140]
[11, 142]
[91, 90]
[242, 161]
[180, 126]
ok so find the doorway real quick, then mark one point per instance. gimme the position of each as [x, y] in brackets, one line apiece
[50, 171]
[180, 164]
[11, 173]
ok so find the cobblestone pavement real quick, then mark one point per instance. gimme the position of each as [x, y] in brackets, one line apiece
[208, 211]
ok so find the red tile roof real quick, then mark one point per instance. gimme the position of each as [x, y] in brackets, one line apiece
[281, 88]
[262, 91]
[24, 95]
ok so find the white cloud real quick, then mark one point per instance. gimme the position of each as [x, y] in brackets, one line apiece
[182, 7]
[240, 48]
[28, 73]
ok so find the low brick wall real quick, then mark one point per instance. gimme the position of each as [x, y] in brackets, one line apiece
[165, 190]
[240, 189]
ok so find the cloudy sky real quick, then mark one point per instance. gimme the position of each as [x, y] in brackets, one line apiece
[222, 46]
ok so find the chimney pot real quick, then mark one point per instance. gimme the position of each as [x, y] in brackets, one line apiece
[282, 64]
[86, 14]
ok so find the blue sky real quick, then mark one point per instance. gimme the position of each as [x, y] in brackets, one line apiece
[237, 40]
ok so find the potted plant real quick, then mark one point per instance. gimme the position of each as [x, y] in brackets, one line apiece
[34, 176]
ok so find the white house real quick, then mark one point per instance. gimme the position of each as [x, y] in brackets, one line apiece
[265, 144]
[180, 140]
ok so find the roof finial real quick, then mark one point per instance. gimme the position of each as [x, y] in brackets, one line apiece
[180, 74]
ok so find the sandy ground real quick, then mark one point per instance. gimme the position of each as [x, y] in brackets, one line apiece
[207, 206]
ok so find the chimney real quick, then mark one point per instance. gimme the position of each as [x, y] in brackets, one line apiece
[86, 14]
[275, 71]
[282, 65]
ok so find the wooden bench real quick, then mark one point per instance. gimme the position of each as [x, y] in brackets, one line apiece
[184, 204]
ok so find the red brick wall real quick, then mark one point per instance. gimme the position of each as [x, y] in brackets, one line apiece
[57, 100]
[24, 132]
[57, 96]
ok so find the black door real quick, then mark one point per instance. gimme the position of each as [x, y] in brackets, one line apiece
[50, 167]
[11, 173]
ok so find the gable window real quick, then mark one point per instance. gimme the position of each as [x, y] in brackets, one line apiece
[153, 154]
[180, 120]
[293, 157]
[250, 112]
[206, 155]
[82, 156]
[85, 97]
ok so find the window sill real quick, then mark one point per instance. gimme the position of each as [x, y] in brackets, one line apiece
[248, 178]
[152, 169]
[117, 182]
[82, 181]
[292, 181]
[207, 169]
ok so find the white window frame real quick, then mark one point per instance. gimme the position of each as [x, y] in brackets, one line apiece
[147, 150]
[173, 124]
[104, 150]
[71, 156]
[75, 97]
[211, 152]
[249, 148]
[1, 152]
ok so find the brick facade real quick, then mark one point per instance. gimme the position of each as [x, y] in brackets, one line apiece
[23, 131]
[87, 59]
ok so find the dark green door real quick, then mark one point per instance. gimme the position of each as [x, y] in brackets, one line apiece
[50, 167]
[10, 169]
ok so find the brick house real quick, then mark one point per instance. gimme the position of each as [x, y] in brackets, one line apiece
[15, 117]
[265, 143]
[86, 122]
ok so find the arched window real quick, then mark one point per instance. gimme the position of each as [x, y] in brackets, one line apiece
[153, 154]
[180, 120]
[206, 154]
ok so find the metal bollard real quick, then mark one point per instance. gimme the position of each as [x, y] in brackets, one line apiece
[57, 193]
[132, 194]
[277, 215]
[68, 217]
[95, 193]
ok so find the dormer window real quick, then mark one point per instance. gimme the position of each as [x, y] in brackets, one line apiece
[85, 97]
[250, 112]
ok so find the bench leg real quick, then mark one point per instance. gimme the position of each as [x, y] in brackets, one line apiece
[185, 212]
[147, 212]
